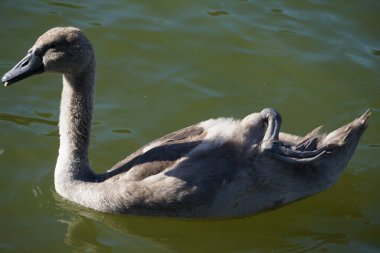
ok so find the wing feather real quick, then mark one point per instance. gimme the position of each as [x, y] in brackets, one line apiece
[162, 152]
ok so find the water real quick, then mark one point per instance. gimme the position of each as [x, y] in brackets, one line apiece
[165, 65]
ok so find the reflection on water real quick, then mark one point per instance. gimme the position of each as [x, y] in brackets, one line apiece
[82, 236]
[265, 232]
[85, 235]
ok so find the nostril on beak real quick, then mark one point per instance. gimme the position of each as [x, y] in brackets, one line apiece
[25, 63]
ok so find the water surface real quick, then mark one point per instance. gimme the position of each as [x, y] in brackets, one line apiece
[165, 65]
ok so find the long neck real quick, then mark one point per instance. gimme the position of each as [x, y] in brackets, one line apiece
[74, 129]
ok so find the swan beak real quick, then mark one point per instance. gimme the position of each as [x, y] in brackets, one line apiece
[30, 65]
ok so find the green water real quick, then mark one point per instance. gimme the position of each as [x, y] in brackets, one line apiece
[165, 65]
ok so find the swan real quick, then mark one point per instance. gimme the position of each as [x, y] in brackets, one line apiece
[220, 167]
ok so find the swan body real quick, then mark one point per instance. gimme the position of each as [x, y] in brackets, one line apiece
[217, 168]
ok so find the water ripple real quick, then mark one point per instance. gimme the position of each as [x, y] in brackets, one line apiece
[121, 131]
[25, 121]
[217, 13]
[66, 5]
[375, 52]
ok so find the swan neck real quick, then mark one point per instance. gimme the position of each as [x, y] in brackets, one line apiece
[75, 126]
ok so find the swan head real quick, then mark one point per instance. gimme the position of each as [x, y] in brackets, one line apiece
[64, 50]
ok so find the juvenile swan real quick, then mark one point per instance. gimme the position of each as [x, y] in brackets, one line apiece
[217, 168]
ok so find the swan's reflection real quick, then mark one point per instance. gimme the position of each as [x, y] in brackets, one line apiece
[289, 229]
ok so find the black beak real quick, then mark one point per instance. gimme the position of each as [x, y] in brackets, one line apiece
[31, 64]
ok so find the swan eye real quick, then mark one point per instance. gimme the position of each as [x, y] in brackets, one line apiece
[51, 46]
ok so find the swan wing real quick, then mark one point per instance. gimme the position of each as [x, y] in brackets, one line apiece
[164, 151]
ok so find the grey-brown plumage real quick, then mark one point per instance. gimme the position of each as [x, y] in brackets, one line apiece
[216, 168]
